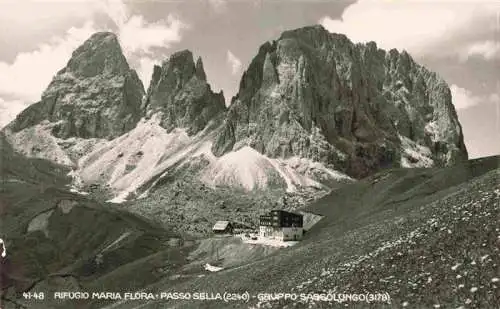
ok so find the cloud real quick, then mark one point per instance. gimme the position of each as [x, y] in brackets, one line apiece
[30, 72]
[414, 25]
[144, 69]
[489, 50]
[136, 35]
[9, 110]
[495, 98]
[22, 15]
[222, 6]
[219, 6]
[463, 98]
[234, 62]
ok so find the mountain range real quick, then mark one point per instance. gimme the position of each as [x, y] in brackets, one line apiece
[107, 186]
[312, 108]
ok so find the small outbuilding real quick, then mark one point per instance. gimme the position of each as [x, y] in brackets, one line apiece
[223, 227]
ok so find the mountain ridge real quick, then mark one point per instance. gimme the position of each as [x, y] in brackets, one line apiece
[343, 110]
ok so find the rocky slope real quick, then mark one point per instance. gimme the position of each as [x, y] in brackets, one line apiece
[353, 107]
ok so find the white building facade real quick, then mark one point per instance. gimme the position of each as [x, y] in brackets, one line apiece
[281, 225]
[281, 233]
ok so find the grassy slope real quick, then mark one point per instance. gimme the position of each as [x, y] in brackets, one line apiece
[66, 255]
[387, 233]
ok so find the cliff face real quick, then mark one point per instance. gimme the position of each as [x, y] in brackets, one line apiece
[354, 107]
[180, 94]
[96, 95]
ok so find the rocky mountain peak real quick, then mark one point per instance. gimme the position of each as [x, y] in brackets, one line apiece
[100, 54]
[176, 71]
[313, 33]
[180, 94]
[315, 36]
[96, 95]
[354, 107]
[182, 61]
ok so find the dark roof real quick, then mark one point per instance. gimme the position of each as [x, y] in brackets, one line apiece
[289, 212]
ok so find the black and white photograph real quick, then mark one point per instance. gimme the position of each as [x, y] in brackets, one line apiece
[256, 154]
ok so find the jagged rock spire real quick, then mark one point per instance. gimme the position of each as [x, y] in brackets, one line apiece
[180, 94]
[200, 70]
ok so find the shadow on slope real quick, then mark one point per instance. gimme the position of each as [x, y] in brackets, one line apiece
[14, 167]
[57, 240]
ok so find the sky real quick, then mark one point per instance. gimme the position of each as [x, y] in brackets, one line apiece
[458, 39]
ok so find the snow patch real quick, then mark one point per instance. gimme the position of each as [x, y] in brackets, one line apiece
[66, 206]
[4, 248]
[455, 266]
[114, 243]
[212, 268]
[76, 183]
[40, 223]
[121, 198]
[432, 129]
[415, 155]
[268, 242]
[78, 192]
[275, 92]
